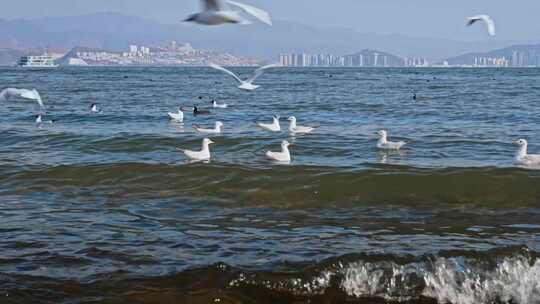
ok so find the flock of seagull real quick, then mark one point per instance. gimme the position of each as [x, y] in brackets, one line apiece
[217, 12]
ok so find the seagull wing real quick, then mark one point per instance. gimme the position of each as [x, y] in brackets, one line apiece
[33, 95]
[212, 5]
[219, 68]
[490, 24]
[258, 72]
[38, 98]
[255, 12]
[10, 92]
[3, 94]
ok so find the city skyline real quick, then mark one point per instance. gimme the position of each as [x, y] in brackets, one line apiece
[173, 54]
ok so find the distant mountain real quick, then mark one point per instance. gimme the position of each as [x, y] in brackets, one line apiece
[116, 31]
[513, 56]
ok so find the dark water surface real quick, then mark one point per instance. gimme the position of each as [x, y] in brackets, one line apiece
[104, 209]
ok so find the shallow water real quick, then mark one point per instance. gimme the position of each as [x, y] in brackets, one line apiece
[104, 209]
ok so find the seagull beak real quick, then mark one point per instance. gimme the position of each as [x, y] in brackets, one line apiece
[189, 19]
[515, 142]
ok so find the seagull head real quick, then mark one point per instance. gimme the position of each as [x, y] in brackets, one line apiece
[382, 133]
[207, 141]
[219, 124]
[292, 119]
[520, 142]
[276, 117]
[285, 144]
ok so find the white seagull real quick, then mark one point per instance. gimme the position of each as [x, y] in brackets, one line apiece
[94, 108]
[216, 13]
[179, 117]
[522, 157]
[217, 105]
[383, 142]
[293, 128]
[246, 85]
[273, 127]
[39, 120]
[283, 156]
[21, 93]
[486, 19]
[216, 130]
[204, 154]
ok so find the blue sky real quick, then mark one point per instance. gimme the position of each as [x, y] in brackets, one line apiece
[516, 20]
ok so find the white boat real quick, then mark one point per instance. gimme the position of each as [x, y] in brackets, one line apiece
[42, 61]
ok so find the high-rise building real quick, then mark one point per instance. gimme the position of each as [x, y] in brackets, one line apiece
[133, 49]
[145, 50]
[303, 60]
[173, 45]
[515, 59]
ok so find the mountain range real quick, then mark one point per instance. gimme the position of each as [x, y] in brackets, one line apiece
[116, 31]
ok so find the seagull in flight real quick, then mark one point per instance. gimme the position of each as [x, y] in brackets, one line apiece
[21, 93]
[217, 12]
[486, 19]
[246, 85]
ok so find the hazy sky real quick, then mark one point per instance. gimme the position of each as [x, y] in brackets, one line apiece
[516, 20]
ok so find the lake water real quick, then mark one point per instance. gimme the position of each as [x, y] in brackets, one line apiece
[103, 208]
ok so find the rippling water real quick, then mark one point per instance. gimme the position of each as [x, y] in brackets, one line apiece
[104, 209]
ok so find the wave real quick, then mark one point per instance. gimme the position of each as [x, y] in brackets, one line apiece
[299, 186]
[505, 276]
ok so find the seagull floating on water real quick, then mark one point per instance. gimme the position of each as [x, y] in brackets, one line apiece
[21, 93]
[39, 120]
[179, 117]
[383, 142]
[216, 13]
[283, 156]
[218, 128]
[204, 154]
[273, 127]
[522, 157]
[246, 85]
[94, 108]
[196, 111]
[217, 105]
[295, 129]
[490, 24]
